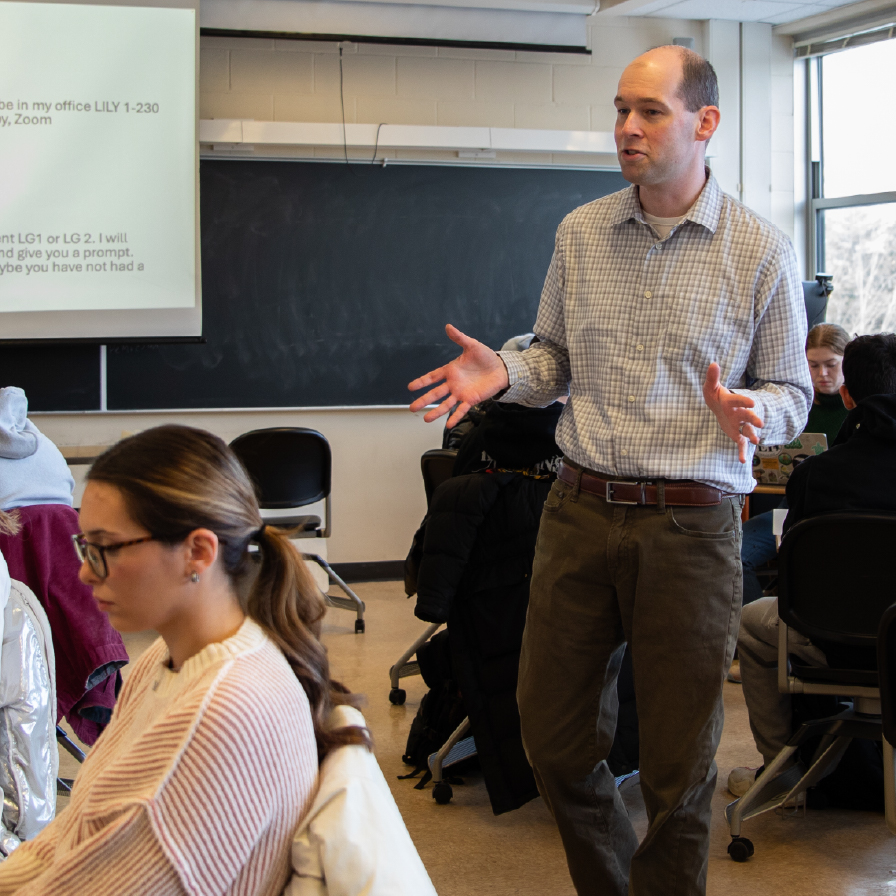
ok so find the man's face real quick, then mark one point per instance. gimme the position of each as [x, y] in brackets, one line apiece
[655, 134]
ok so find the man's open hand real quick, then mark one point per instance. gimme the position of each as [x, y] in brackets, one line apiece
[733, 412]
[478, 373]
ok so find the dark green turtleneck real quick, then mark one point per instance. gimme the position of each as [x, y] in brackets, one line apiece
[827, 415]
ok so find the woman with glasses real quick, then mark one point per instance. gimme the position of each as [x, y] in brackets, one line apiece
[212, 754]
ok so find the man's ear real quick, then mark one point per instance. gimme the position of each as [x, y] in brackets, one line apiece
[848, 403]
[707, 122]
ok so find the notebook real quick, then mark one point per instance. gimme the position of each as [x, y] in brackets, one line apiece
[773, 464]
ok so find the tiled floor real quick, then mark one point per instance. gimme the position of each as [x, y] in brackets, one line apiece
[468, 850]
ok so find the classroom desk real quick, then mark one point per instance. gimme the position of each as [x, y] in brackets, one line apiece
[78, 455]
[761, 490]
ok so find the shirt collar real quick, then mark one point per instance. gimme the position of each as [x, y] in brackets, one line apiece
[705, 211]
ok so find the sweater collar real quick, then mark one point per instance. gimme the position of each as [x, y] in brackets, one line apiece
[248, 638]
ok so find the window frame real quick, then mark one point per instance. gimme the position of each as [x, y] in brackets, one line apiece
[818, 203]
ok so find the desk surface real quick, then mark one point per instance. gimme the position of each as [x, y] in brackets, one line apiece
[81, 454]
[769, 490]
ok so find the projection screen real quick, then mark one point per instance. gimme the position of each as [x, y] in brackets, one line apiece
[98, 171]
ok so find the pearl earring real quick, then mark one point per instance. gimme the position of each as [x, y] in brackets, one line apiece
[194, 577]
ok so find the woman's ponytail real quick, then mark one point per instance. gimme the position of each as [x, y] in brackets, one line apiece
[286, 602]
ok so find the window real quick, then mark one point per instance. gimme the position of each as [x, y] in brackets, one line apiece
[854, 183]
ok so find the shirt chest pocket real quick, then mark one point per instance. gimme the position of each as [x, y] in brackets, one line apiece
[703, 326]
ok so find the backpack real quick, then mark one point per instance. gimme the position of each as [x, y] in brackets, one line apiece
[441, 710]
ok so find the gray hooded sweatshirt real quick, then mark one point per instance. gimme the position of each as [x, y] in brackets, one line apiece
[32, 469]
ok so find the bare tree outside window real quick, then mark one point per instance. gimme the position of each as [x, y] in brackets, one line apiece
[860, 251]
[859, 244]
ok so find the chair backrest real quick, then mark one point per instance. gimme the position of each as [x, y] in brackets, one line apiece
[437, 465]
[815, 298]
[290, 465]
[835, 576]
[886, 667]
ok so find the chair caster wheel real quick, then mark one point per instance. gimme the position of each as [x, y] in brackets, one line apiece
[397, 696]
[359, 626]
[442, 793]
[740, 849]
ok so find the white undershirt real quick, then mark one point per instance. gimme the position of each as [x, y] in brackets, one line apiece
[663, 226]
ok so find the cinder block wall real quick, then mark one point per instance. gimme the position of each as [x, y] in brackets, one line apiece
[282, 80]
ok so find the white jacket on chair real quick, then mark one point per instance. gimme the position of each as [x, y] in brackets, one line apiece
[29, 755]
[353, 841]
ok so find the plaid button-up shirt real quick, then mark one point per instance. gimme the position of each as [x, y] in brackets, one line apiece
[629, 323]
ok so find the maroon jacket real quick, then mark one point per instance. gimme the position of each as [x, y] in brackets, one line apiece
[42, 557]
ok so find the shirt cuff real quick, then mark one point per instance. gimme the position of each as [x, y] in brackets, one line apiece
[516, 368]
[758, 408]
[516, 376]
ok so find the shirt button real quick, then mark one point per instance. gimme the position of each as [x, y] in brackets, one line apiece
[640, 348]
[631, 398]
[624, 452]
[648, 294]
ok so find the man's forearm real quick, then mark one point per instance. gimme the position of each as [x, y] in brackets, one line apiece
[784, 409]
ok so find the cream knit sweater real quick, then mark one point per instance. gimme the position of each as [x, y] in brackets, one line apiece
[196, 786]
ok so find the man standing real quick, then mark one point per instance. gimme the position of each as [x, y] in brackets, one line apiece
[673, 317]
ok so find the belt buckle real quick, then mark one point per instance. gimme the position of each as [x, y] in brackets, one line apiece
[611, 500]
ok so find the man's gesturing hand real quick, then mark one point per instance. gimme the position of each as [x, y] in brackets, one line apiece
[733, 412]
[474, 376]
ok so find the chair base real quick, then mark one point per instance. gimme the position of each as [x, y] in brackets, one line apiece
[350, 602]
[442, 792]
[403, 668]
[837, 732]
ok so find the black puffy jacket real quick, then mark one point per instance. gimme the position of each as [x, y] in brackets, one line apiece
[478, 545]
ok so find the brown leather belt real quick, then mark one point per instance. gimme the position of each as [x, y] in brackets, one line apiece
[677, 492]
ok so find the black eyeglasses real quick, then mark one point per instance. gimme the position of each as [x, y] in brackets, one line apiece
[95, 554]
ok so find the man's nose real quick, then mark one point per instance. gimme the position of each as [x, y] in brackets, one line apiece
[631, 124]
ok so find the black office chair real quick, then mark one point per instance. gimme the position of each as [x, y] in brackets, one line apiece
[815, 298]
[886, 667]
[290, 466]
[436, 465]
[835, 583]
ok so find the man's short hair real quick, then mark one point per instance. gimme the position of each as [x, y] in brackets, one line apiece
[869, 365]
[699, 85]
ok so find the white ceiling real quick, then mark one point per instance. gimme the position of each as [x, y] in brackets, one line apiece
[774, 12]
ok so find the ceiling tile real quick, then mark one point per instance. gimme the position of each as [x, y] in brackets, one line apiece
[736, 10]
[770, 11]
[810, 9]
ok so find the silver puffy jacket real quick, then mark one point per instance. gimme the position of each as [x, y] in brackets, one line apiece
[29, 756]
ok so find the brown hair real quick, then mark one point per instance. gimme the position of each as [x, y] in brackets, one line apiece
[831, 336]
[9, 523]
[699, 85]
[176, 479]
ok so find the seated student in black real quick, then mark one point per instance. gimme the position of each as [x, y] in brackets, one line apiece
[858, 473]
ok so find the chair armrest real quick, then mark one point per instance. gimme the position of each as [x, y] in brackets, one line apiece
[784, 683]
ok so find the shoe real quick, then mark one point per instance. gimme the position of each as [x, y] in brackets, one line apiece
[741, 779]
[734, 673]
[625, 782]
